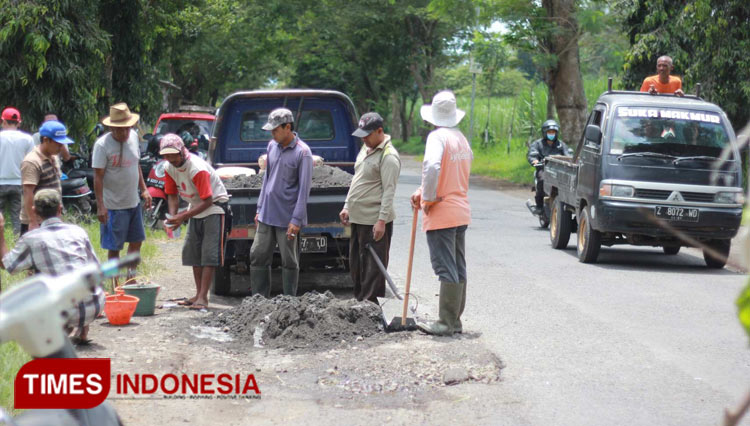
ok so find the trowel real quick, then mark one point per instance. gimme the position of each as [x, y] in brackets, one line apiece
[395, 314]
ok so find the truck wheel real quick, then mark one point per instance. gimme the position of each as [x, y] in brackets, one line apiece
[671, 250]
[720, 252]
[589, 239]
[222, 281]
[559, 225]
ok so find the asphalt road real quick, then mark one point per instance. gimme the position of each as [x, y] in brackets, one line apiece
[638, 338]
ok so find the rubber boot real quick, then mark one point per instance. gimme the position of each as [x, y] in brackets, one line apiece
[289, 279]
[459, 328]
[260, 281]
[450, 303]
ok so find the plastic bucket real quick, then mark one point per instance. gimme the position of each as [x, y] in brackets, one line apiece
[119, 308]
[146, 292]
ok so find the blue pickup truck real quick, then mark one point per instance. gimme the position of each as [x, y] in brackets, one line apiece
[325, 120]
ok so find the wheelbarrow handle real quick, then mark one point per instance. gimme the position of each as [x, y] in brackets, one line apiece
[383, 270]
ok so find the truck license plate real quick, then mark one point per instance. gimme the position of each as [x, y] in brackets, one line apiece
[314, 244]
[676, 214]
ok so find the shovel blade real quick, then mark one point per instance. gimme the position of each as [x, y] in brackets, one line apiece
[393, 313]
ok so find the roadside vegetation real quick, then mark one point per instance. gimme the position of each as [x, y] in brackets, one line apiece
[504, 126]
[12, 357]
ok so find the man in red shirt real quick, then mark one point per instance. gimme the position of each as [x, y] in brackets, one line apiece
[190, 177]
[662, 82]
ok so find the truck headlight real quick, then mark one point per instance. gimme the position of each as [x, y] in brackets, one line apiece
[609, 190]
[729, 198]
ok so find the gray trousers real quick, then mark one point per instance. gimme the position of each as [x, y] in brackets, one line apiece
[447, 253]
[266, 238]
[10, 195]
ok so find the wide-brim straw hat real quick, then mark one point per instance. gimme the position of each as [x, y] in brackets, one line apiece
[442, 112]
[120, 116]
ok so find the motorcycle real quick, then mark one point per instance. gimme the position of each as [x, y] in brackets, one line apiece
[544, 214]
[42, 299]
[159, 207]
[77, 197]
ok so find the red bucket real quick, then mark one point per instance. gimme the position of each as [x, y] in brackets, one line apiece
[119, 308]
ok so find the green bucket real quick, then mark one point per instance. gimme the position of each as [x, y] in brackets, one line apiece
[146, 293]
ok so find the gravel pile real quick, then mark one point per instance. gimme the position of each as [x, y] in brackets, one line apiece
[313, 320]
[323, 177]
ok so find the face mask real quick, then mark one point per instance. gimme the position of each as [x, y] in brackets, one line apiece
[551, 136]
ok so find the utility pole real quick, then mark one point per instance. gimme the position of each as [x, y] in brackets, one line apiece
[474, 69]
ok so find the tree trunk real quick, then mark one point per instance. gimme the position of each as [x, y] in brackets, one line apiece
[396, 120]
[565, 75]
[550, 104]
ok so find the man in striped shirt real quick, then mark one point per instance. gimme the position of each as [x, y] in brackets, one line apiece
[40, 168]
[54, 249]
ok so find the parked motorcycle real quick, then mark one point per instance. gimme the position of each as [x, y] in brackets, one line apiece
[159, 207]
[42, 299]
[544, 214]
[77, 197]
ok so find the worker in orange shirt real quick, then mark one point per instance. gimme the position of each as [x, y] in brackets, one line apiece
[662, 82]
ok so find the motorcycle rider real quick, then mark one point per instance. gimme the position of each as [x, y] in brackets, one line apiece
[548, 144]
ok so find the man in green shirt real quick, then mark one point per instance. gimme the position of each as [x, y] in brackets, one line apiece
[369, 206]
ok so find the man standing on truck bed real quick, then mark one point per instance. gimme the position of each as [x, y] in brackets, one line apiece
[662, 82]
[549, 144]
[117, 178]
[282, 205]
[369, 206]
[190, 177]
[444, 199]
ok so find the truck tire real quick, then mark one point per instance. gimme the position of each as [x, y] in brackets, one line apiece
[721, 249]
[671, 250]
[222, 281]
[559, 225]
[589, 239]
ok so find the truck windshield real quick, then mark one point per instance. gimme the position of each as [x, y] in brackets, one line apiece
[675, 132]
[177, 126]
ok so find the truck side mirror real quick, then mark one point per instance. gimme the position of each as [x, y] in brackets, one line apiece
[593, 133]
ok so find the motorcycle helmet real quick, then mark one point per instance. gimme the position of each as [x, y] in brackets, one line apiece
[550, 125]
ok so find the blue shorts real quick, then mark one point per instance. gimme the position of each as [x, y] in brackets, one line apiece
[125, 225]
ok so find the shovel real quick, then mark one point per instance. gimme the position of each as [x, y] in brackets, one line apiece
[395, 315]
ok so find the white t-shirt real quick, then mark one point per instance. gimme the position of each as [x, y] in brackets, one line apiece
[194, 181]
[120, 164]
[14, 145]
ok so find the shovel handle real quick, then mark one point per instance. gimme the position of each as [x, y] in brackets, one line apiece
[414, 220]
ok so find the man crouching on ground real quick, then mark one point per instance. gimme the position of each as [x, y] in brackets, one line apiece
[369, 206]
[54, 249]
[198, 184]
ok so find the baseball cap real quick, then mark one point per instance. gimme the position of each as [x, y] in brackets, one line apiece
[49, 198]
[369, 122]
[278, 117]
[172, 144]
[56, 131]
[11, 113]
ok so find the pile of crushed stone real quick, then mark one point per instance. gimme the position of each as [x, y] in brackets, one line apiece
[323, 177]
[330, 177]
[244, 181]
[313, 320]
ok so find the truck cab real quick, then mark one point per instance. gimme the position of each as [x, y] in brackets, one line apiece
[654, 170]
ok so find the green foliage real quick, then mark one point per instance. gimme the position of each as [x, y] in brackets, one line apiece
[52, 53]
[743, 308]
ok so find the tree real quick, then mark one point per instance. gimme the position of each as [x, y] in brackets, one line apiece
[550, 32]
[52, 54]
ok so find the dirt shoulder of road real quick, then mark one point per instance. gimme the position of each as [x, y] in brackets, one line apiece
[383, 378]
